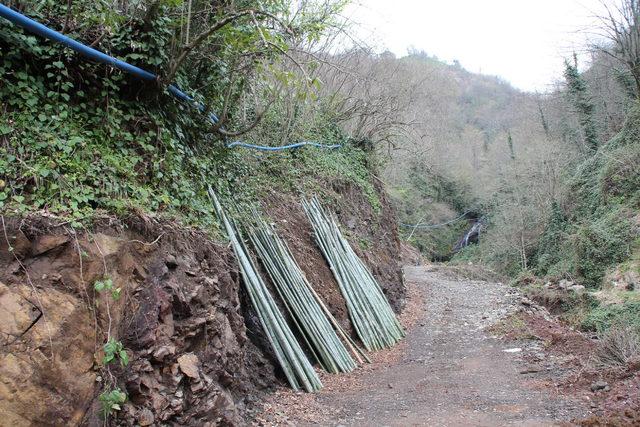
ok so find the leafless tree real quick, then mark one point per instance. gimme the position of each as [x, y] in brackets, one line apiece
[620, 26]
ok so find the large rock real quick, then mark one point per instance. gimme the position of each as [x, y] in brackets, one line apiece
[46, 243]
[46, 356]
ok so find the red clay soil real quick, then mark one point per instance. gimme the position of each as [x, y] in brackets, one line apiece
[619, 403]
[558, 337]
[377, 232]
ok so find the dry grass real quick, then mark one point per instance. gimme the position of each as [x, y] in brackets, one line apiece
[513, 327]
[619, 345]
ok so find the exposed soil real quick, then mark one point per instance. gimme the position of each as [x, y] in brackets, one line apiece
[198, 355]
[409, 255]
[369, 233]
[451, 370]
[572, 357]
[178, 317]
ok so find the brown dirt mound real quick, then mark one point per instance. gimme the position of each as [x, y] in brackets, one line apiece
[617, 404]
[409, 255]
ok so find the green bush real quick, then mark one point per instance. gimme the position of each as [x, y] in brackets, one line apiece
[601, 244]
[549, 252]
[567, 302]
[620, 176]
[471, 253]
[74, 144]
[603, 317]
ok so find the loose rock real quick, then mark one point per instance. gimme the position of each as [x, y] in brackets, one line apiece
[599, 385]
[189, 365]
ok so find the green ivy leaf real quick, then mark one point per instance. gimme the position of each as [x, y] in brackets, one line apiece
[107, 359]
[124, 357]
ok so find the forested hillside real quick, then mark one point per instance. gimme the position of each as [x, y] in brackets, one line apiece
[459, 142]
[551, 179]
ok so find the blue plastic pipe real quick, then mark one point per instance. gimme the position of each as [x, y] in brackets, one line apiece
[39, 29]
[91, 53]
[94, 54]
[284, 147]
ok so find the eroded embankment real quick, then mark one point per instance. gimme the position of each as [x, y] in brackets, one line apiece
[197, 353]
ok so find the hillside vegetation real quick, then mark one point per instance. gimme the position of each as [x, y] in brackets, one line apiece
[80, 138]
[553, 177]
[122, 302]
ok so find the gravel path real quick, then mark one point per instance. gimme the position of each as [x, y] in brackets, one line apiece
[451, 372]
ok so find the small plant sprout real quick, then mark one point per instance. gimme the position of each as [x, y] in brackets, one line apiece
[115, 350]
[111, 401]
[107, 285]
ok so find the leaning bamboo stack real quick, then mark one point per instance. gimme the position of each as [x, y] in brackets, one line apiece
[372, 316]
[290, 355]
[309, 312]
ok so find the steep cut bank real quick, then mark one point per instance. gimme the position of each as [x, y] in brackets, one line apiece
[119, 297]
[178, 318]
[196, 352]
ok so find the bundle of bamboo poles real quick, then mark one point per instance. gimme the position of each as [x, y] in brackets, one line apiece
[290, 355]
[315, 322]
[369, 309]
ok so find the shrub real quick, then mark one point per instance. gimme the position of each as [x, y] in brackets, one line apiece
[601, 244]
[573, 306]
[550, 245]
[602, 318]
[619, 345]
[620, 176]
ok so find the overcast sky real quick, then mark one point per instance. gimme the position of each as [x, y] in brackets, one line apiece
[522, 41]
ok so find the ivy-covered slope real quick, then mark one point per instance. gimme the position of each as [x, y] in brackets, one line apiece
[592, 240]
[598, 225]
[80, 139]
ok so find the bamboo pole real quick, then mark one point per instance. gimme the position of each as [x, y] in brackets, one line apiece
[290, 356]
[370, 312]
[300, 299]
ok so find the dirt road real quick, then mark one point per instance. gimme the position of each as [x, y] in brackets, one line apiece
[450, 372]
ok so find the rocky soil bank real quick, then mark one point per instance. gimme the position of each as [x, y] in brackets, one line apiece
[197, 355]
